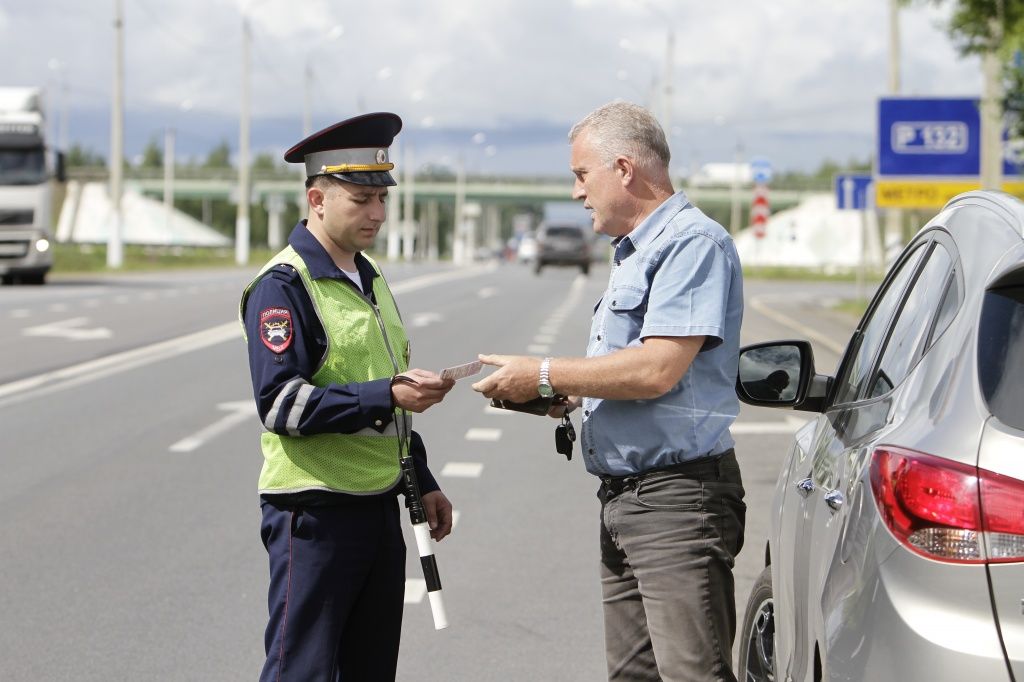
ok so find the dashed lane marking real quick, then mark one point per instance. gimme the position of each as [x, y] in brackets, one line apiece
[462, 470]
[489, 435]
[790, 425]
[415, 590]
[537, 348]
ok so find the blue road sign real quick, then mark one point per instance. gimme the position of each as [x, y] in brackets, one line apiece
[854, 191]
[926, 136]
[761, 170]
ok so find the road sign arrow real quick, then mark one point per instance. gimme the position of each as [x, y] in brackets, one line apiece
[240, 411]
[69, 329]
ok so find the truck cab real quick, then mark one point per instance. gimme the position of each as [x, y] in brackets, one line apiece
[26, 191]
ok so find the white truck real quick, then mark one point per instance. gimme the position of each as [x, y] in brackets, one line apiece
[26, 188]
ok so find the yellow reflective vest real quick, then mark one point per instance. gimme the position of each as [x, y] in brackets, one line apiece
[364, 342]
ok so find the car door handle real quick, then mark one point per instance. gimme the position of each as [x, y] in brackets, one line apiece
[834, 499]
[805, 487]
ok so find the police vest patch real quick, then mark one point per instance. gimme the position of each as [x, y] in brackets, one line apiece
[276, 329]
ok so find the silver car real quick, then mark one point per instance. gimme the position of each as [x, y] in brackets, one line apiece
[897, 543]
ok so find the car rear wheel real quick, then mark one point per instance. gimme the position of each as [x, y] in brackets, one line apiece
[757, 649]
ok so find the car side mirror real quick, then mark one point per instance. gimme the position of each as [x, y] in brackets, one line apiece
[781, 374]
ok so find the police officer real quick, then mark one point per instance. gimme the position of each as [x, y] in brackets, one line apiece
[329, 360]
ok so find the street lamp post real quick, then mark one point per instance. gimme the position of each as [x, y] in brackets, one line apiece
[307, 109]
[244, 181]
[115, 254]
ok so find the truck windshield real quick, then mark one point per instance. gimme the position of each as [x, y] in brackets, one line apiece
[22, 166]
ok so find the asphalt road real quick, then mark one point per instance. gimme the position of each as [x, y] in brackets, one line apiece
[128, 515]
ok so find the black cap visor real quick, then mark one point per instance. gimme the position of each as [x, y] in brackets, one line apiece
[368, 178]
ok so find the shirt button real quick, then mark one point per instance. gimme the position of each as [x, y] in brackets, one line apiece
[591, 451]
[613, 302]
[586, 413]
[378, 423]
[598, 337]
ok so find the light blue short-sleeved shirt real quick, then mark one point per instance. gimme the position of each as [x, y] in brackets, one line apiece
[676, 274]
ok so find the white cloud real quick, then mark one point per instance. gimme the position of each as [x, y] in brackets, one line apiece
[784, 65]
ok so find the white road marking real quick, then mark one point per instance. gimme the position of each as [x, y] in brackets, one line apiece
[68, 377]
[455, 517]
[490, 409]
[487, 292]
[789, 426]
[415, 590]
[91, 303]
[240, 411]
[122, 299]
[489, 435]
[758, 304]
[69, 329]
[544, 338]
[21, 312]
[424, 319]
[76, 375]
[462, 470]
[57, 307]
[537, 348]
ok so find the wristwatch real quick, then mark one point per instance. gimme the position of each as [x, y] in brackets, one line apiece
[544, 386]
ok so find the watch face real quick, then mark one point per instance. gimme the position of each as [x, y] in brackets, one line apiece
[545, 390]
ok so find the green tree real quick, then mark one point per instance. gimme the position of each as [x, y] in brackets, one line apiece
[79, 157]
[986, 27]
[219, 156]
[152, 155]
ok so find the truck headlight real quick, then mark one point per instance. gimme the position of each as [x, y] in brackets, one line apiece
[43, 245]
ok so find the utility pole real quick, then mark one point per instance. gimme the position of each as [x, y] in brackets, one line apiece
[992, 109]
[242, 219]
[670, 40]
[409, 208]
[307, 107]
[168, 178]
[115, 254]
[734, 210]
[893, 216]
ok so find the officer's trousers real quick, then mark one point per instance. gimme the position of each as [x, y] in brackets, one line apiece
[337, 581]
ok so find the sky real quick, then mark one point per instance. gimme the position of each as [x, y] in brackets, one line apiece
[495, 83]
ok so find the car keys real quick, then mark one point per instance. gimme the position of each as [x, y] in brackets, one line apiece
[565, 436]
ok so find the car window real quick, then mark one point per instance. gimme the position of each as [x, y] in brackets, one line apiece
[865, 345]
[906, 342]
[1001, 354]
[571, 232]
[951, 300]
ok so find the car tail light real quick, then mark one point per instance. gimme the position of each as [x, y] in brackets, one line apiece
[946, 510]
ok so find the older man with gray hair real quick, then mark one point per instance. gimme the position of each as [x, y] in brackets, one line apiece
[657, 394]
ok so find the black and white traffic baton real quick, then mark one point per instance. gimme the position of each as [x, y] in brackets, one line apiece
[421, 529]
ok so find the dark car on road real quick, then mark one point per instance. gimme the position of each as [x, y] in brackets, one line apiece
[563, 244]
[896, 550]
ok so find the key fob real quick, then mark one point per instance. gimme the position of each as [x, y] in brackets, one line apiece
[565, 435]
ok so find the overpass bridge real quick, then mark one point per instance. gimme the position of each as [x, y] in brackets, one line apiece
[482, 191]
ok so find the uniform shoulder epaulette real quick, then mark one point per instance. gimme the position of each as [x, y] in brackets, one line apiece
[283, 271]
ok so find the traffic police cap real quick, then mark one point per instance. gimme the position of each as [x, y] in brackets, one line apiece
[354, 150]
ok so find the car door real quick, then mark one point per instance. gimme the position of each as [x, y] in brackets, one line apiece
[843, 434]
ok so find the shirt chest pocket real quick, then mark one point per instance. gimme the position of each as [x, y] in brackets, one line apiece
[624, 317]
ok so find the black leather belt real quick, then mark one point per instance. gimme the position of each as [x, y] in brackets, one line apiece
[702, 469]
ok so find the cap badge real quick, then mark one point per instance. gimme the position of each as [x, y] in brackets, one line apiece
[382, 156]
